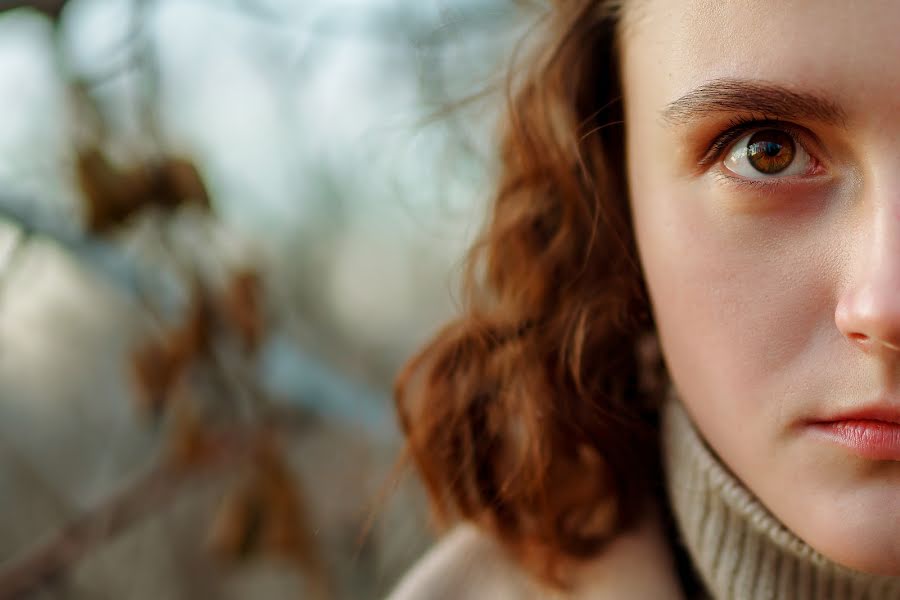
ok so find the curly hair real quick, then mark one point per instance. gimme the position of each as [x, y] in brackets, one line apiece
[533, 414]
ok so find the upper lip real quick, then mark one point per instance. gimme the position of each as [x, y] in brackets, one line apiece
[887, 413]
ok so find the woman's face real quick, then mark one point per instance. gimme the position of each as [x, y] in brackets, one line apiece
[763, 148]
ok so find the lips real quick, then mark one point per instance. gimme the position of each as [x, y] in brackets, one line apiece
[870, 433]
[882, 413]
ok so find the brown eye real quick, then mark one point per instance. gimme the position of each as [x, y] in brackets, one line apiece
[770, 151]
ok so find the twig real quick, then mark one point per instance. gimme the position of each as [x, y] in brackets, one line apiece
[101, 256]
[53, 557]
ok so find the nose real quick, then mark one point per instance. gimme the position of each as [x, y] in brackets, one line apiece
[868, 309]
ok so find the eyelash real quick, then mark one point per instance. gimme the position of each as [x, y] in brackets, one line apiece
[740, 126]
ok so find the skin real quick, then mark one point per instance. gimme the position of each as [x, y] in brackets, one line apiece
[777, 303]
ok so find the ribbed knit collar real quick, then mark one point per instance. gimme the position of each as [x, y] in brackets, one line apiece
[739, 549]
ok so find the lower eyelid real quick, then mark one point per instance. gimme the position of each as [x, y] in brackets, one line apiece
[771, 184]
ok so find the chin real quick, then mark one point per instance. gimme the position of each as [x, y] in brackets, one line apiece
[869, 548]
[874, 565]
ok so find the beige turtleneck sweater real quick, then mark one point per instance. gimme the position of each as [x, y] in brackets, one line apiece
[739, 550]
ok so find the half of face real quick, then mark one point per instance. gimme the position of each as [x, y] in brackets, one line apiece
[763, 152]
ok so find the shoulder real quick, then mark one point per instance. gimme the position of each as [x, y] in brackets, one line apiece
[468, 564]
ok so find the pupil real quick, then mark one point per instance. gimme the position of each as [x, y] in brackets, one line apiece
[771, 148]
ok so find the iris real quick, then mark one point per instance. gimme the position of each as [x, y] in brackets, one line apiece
[770, 151]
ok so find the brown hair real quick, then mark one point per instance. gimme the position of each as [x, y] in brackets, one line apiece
[531, 414]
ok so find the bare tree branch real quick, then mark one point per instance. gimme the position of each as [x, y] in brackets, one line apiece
[55, 556]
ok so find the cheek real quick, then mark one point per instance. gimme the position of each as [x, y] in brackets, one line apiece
[744, 304]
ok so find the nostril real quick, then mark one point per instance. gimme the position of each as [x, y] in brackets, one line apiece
[858, 337]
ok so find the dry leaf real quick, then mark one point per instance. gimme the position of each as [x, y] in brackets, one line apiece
[286, 530]
[158, 364]
[237, 526]
[243, 308]
[154, 372]
[264, 514]
[191, 443]
[193, 338]
[185, 182]
[112, 196]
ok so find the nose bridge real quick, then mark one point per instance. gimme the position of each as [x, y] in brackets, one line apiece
[884, 244]
[869, 310]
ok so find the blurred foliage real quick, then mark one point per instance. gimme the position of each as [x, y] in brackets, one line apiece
[227, 222]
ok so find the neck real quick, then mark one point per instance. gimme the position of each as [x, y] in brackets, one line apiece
[737, 547]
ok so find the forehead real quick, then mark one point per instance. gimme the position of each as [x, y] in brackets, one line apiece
[849, 49]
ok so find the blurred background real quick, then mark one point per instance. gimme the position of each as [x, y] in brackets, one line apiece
[224, 225]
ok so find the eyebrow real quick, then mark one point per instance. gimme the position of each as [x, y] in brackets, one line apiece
[739, 95]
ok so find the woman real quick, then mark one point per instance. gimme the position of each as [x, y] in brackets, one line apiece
[722, 178]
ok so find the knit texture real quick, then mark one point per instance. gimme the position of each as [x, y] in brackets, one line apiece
[740, 550]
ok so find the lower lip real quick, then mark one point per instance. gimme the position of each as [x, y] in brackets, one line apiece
[874, 440]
